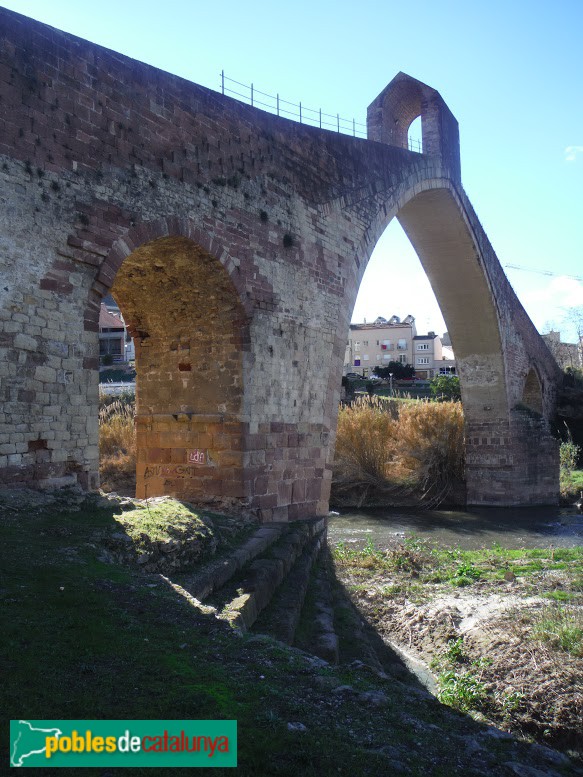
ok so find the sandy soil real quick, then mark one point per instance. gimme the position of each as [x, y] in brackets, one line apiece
[530, 687]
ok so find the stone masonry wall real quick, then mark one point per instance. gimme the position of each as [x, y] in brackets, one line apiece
[235, 241]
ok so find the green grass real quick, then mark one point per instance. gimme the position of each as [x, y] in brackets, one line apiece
[83, 639]
[419, 559]
[560, 627]
[463, 691]
[571, 485]
[87, 640]
[459, 680]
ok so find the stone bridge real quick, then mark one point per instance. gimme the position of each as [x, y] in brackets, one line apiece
[234, 242]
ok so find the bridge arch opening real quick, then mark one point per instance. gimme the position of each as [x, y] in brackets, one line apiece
[189, 330]
[436, 225]
[532, 396]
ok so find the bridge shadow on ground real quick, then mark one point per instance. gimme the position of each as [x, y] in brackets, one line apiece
[86, 637]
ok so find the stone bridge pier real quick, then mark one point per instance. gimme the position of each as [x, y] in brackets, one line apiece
[235, 242]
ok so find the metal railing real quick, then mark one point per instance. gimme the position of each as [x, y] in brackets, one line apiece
[273, 103]
[296, 111]
[413, 144]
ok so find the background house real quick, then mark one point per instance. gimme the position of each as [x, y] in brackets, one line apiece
[427, 355]
[110, 320]
[377, 344]
[392, 340]
[566, 354]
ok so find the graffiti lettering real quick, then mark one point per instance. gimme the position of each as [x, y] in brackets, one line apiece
[165, 470]
[197, 456]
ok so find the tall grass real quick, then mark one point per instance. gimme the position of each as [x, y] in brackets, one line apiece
[431, 447]
[410, 451]
[117, 443]
[365, 441]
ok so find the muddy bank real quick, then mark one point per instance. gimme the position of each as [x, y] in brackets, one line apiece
[495, 634]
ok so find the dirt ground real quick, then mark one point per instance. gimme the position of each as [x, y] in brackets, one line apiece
[482, 634]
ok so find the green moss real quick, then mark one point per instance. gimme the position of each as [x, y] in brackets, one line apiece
[164, 521]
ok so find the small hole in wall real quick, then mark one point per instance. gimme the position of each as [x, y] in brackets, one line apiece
[184, 367]
[37, 445]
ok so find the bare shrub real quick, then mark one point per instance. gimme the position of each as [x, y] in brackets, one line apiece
[413, 451]
[365, 441]
[117, 444]
[431, 447]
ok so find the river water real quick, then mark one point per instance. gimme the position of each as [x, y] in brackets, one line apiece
[524, 527]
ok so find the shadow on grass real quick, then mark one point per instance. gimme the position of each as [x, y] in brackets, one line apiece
[84, 639]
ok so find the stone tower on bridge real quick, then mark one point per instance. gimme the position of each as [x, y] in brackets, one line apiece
[234, 242]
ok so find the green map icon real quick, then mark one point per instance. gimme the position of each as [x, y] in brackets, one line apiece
[27, 741]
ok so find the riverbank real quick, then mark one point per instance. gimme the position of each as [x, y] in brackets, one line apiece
[571, 486]
[496, 633]
[87, 637]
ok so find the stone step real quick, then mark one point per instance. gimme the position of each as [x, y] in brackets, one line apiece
[354, 643]
[216, 573]
[330, 626]
[250, 592]
[280, 619]
[325, 643]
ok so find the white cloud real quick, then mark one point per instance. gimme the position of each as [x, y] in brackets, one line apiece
[571, 153]
[552, 302]
[561, 291]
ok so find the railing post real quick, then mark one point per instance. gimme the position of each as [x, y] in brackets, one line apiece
[301, 117]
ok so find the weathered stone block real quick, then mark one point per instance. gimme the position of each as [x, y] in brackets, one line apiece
[226, 319]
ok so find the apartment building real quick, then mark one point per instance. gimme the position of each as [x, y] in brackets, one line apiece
[428, 355]
[114, 339]
[111, 335]
[377, 344]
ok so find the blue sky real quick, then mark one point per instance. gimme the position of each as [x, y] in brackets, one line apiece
[511, 71]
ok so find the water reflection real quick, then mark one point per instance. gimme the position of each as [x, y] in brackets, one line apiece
[524, 527]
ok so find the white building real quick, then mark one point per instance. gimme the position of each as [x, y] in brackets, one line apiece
[377, 344]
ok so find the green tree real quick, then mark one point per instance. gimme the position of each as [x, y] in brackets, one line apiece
[446, 387]
[396, 369]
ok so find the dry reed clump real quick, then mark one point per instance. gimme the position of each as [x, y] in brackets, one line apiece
[365, 442]
[117, 444]
[431, 447]
[412, 452]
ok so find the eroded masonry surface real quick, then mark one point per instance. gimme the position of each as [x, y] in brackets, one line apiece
[235, 242]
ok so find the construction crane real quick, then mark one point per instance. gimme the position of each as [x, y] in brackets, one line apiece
[544, 272]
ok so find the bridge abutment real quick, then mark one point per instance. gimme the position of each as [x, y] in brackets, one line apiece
[511, 462]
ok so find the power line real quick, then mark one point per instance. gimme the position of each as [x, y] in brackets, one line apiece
[544, 272]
